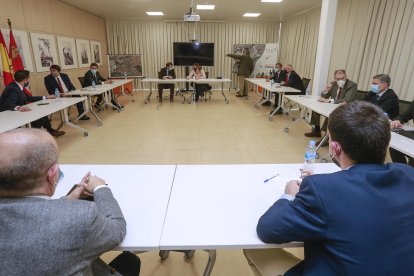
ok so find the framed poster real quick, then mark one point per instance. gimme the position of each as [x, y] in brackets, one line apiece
[96, 52]
[44, 51]
[23, 45]
[84, 52]
[67, 52]
[125, 66]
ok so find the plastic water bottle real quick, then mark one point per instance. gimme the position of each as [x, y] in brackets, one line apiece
[310, 156]
[57, 94]
[222, 76]
[93, 85]
[272, 82]
[308, 91]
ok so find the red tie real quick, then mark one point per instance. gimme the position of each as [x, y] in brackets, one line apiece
[59, 85]
[286, 79]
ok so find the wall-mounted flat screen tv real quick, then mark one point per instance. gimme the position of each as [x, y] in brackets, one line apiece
[188, 53]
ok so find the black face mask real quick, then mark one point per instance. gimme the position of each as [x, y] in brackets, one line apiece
[334, 160]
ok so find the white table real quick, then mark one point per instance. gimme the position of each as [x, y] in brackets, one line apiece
[142, 193]
[152, 81]
[98, 90]
[218, 206]
[269, 91]
[13, 119]
[402, 144]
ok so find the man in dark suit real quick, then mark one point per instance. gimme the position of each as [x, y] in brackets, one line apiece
[280, 74]
[44, 236]
[358, 221]
[93, 76]
[382, 95]
[61, 82]
[398, 122]
[13, 98]
[341, 90]
[245, 69]
[166, 73]
[292, 79]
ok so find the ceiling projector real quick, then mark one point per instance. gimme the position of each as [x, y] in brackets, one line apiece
[191, 16]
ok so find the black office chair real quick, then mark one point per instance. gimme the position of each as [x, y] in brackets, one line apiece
[404, 105]
[81, 80]
[306, 82]
[360, 95]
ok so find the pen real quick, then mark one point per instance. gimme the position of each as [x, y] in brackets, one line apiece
[271, 178]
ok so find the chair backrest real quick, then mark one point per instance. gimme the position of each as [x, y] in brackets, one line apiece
[207, 73]
[81, 79]
[404, 105]
[305, 82]
[360, 95]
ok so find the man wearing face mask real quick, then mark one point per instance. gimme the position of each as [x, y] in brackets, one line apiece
[245, 69]
[356, 221]
[44, 236]
[166, 73]
[382, 95]
[13, 98]
[341, 90]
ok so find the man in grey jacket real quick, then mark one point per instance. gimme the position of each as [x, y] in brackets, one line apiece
[245, 69]
[44, 236]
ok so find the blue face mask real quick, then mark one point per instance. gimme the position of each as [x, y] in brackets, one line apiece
[375, 88]
[94, 71]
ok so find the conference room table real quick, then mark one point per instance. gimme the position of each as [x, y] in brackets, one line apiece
[152, 81]
[188, 207]
[269, 91]
[14, 119]
[100, 89]
[398, 142]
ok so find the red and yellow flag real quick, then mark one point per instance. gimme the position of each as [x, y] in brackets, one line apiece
[5, 62]
[14, 54]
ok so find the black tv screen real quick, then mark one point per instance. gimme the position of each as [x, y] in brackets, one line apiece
[188, 53]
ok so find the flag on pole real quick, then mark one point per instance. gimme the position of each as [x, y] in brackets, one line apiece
[14, 54]
[5, 62]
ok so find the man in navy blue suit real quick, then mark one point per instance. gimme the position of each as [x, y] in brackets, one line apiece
[358, 221]
[61, 81]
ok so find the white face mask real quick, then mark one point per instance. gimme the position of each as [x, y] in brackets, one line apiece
[341, 83]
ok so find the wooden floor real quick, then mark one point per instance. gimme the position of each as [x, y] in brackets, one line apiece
[211, 132]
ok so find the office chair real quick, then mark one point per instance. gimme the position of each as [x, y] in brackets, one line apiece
[81, 80]
[360, 95]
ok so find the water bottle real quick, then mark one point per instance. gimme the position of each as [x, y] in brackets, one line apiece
[222, 76]
[272, 82]
[57, 93]
[308, 91]
[93, 85]
[310, 156]
[146, 76]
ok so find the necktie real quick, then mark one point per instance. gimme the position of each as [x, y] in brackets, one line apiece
[377, 97]
[339, 95]
[287, 78]
[60, 87]
[167, 72]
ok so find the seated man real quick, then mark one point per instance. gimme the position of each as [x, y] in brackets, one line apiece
[382, 95]
[166, 73]
[61, 81]
[341, 90]
[357, 221]
[13, 98]
[279, 75]
[44, 236]
[398, 122]
[93, 76]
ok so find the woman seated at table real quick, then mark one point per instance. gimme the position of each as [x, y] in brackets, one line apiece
[198, 73]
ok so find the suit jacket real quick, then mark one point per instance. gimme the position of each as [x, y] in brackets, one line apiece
[89, 78]
[279, 76]
[60, 236]
[245, 64]
[406, 115]
[12, 96]
[162, 73]
[358, 221]
[388, 102]
[348, 92]
[51, 83]
[295, 81]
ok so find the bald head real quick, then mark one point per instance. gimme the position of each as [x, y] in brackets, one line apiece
[26, 156]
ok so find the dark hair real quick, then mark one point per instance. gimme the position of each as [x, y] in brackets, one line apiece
[383, 78]
[25, 170]
[21, 75]
[93, 64]
[55, 67]
[363, 131]
[279, 64]
[168, 64]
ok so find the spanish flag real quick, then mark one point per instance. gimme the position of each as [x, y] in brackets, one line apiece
[5, 62]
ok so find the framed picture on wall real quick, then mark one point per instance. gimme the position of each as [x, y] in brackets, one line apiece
[96, 52]
[23, 45]
[84, 52]
[44, 51]
[67, 52]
